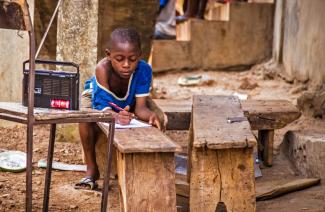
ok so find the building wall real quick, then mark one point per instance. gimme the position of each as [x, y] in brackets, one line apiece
[304, 40]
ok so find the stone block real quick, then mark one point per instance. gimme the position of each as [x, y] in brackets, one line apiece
[170, 54]
[306, 150]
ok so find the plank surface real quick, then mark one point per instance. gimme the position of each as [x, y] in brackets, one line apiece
[211, 128]
[42, 114]
[147, 139]
[147, 181]
[270, 114]
[262, 114]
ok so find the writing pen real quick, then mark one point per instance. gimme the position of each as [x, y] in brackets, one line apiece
[120, 109]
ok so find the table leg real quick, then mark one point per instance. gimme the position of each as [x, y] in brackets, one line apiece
[49, 168]
[108, 167]
[266, 138]
[29, 168]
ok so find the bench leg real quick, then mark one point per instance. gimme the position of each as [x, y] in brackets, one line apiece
[146, 181]
[266, 139]
[49, 168]
[222, 180]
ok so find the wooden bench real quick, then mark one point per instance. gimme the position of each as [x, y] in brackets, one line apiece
[145, 168]
[221, 165]
[263, 115]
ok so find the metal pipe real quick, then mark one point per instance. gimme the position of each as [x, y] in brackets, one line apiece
[30, 115]
[110, 140]
[49, 169]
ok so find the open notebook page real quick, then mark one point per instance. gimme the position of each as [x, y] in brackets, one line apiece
[133, 124]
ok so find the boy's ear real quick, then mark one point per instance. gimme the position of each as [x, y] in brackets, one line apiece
[140, 53]
[108, 53]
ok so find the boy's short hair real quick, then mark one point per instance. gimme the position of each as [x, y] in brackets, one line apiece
[125, 35]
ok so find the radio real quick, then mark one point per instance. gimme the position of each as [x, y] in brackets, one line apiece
[53, 89]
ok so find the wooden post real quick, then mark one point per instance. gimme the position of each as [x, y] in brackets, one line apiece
[221, 156]
[266, 139]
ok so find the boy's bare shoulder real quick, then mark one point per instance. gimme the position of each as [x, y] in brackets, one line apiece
[102, 65]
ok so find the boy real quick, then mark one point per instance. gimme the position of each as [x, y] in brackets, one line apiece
[123, 79]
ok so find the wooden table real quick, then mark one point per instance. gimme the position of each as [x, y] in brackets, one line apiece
[145, 168]
[17, 113]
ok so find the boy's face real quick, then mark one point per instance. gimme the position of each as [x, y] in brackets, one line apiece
[124, 57]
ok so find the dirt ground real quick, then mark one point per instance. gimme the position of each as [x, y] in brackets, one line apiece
[65, 198]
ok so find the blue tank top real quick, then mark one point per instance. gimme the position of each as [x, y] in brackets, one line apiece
[139, 85]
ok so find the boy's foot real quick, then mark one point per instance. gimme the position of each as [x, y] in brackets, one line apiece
[87, 183]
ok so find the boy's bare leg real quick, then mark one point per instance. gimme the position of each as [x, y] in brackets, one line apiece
[191, 10]
[87, 136]
[201, 10]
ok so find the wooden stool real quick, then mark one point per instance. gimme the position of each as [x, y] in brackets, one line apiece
[266, 116]
[146, 169]
[221, 156]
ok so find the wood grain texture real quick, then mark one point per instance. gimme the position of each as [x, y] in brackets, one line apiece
[211, 129]
[221, 171]
[222, 176]
[269, 114]
[148, 139]
[147, 181]
[261, 114]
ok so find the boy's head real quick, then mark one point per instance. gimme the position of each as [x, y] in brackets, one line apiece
[124, 51]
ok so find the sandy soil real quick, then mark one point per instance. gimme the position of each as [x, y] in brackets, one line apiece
[65, 198]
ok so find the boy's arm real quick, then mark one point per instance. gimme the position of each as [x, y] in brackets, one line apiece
[143, 112]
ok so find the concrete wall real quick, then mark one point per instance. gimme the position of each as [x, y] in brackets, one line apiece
[244, 40]
[43, 12]
[14, 50]
[304, 40]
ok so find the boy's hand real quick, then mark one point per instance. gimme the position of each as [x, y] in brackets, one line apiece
[124, 117]
[154, 120]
